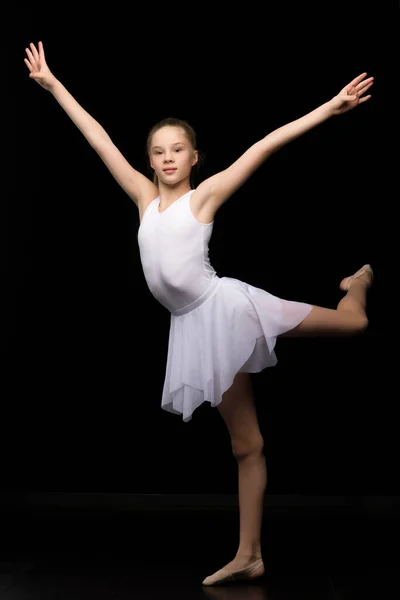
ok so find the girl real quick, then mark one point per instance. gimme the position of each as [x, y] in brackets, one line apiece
[221, 329]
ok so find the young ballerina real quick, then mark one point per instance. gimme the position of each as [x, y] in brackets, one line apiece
[221, 328]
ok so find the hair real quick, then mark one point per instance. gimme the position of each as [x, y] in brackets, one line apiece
[191, 136]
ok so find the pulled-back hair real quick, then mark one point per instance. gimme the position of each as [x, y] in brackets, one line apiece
[190, 134]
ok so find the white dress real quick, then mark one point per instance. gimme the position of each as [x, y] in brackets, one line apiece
[219, 325]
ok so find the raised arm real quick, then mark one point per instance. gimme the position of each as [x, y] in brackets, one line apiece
[215, 190]
[138, 187]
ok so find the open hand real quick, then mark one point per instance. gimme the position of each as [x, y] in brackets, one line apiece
[39, 71]
[352, 94]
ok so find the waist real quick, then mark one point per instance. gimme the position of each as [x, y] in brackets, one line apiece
[209, 293]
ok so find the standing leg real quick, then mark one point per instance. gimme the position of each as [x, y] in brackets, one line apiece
[349, 318]
[239, 413]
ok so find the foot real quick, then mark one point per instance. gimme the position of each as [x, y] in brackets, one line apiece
[365, 274]
[237, 570]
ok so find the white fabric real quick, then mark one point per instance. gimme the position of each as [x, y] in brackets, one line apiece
[219, 325]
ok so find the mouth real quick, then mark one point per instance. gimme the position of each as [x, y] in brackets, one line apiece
[168, 171]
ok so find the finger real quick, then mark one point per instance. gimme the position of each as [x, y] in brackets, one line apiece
[31, 57]
[368, 79]
[365, 89]
[365, 85]
[364, 99]
[41, 51]
[357, 80]
[34, 51]
[28, 64]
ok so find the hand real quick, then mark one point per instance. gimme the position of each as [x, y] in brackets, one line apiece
[39, 71]
[352, 94]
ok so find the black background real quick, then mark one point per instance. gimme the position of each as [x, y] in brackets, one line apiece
[85, 342]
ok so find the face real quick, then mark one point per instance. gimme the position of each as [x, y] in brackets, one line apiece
[171, 155]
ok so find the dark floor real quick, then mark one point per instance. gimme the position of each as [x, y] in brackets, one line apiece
[310, 552]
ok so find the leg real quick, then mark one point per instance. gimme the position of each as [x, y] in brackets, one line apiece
[238, 411]
[349, 318]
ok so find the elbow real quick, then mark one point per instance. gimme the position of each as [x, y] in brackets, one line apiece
[268, 146]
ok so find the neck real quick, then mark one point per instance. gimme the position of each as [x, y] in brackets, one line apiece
[169, 193]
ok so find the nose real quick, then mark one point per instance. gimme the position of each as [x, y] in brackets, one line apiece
[168, 159]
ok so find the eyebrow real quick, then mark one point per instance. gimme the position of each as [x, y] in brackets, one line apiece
[174, 144]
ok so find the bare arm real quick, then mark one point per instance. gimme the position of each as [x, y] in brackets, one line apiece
[136, 185]
[215, 190]
[91, 129]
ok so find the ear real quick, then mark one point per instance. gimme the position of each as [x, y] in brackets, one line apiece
[195, 157]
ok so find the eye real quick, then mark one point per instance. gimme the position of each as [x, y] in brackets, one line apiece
[157, 152]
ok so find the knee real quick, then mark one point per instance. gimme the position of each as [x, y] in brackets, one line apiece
[361, 324]
[243, 449]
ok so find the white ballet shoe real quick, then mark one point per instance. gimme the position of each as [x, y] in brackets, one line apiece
[253, 571]
[347, 281]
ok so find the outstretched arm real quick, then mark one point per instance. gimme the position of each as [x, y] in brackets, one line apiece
[40, 72]
[347, 99]
[215, 190]
[136, 185]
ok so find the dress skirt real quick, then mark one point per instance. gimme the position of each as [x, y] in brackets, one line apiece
[231, 328]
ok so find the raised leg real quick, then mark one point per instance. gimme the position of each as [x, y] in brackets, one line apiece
[349, 318]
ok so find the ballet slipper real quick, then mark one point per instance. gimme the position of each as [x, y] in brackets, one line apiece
[346, 283]
[253, 571]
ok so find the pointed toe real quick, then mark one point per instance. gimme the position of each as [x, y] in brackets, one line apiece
[253, 571]
[347, 281]
[220, 576]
